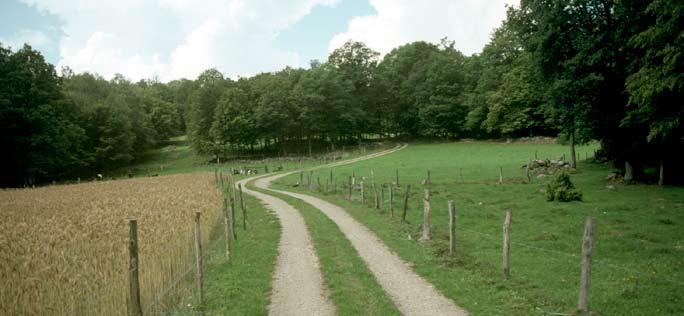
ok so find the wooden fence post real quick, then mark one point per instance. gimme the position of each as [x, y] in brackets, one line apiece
[397, 175]
[244, 209]
[452, 229]
[363, 193]
[134, 309]
[318, 185]
[391, 200]
[500, 175]
[585, 277]
[351, 184]
[506, 244]
[232, 214]
[382, 196]
[227, 227]
[301, 178]
[426, 215]
[406, 196]
[198, 260]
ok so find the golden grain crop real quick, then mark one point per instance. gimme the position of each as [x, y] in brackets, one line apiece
[63, 249]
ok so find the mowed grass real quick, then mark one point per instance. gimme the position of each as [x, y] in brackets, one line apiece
[353, 288]
[638, 254]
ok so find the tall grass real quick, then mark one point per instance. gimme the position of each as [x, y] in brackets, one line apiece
[63, 249]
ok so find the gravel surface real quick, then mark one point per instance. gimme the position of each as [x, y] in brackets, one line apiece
[411, 293]
[297, 280]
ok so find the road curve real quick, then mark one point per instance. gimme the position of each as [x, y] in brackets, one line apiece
[411, 293]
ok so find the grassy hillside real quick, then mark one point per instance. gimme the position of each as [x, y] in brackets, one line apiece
[639, 247]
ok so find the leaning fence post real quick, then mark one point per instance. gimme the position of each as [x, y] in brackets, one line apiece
[198, 259]
[134, 308]
[585, 277]
[244, 209]
[506, 244]
[452, 229]
[426, 215]
[406, 196]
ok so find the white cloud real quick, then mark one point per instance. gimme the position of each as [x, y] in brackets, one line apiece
[176, 38]
[37, 39]
[468, 22]
[170, 39]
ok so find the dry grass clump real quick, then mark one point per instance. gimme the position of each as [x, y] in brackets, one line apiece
[63, 249]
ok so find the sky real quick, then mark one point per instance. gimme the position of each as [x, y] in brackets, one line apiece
[173, 39]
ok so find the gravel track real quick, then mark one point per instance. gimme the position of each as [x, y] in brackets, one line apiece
[411, 293]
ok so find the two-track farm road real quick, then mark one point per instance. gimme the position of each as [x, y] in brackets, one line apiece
[411, 293]
[297, 280]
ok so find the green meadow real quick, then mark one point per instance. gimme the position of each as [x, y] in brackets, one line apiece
[639, 243]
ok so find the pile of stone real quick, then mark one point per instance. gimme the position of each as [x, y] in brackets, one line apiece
[543, 167]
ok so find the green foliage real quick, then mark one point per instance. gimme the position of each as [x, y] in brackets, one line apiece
[561, 189]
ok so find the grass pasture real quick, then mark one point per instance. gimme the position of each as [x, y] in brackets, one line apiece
[638, 253]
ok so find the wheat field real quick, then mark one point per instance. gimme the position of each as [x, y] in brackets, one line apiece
[63, 249]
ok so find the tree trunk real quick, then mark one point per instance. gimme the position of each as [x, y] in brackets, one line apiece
[629, 172]
[573, 157]
[661, 178]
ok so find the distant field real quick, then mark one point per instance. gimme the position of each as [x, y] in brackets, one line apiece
[639, 248]
[64, 248]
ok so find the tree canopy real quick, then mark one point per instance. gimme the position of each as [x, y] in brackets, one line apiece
[601, 70]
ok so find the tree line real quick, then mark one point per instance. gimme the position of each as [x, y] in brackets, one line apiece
[601, 70]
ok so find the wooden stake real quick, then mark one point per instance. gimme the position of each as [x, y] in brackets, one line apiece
[500, 175]
[397, 176]
[506, 244]
[227, 222]
[198, 260]
[406, 196]
[301, 178]
[382, 195]
[351, 184]
[426, 216]
[391, 200]
[232, 215]
[244, 209]
[452, 229]
[134, 308]
[585, 277]
[363, 194]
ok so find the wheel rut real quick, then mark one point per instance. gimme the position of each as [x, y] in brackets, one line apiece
[412, 294]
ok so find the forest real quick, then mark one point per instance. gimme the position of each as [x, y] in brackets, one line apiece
[583, 70]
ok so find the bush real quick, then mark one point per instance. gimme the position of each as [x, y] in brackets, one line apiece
[561, 189]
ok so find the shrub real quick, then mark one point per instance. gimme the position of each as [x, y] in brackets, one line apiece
[561, 189]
